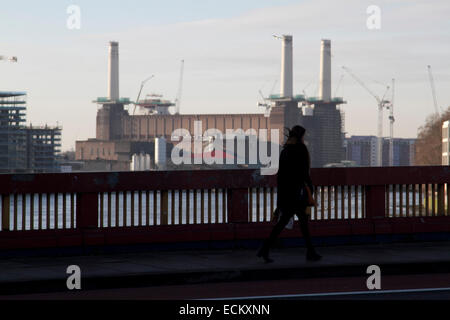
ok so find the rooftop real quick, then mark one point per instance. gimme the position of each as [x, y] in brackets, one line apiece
[106, 100]
[8, 94]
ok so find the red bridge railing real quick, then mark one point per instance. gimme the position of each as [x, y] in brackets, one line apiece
[73, 209]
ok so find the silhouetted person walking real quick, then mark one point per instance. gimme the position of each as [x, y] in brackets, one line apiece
[292, 178]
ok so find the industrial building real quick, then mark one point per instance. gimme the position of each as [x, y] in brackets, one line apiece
[120, 135]
[25, 148]
[320, 116]
[363, 151]
[326, 123]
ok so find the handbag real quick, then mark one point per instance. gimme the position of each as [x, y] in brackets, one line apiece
[277, 216]
[307, 196]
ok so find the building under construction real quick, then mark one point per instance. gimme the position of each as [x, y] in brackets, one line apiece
[25, 148]
[119, 135]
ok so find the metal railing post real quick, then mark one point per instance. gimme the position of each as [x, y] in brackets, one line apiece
[165, 207]
[237, 204]
[87, 210]
[5, 212]
[375, 202]
[441, 200]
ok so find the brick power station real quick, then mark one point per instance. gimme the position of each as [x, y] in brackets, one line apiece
[120, 134]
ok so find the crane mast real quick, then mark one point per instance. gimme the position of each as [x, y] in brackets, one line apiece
[391, 129]
[381, 104]
[433, 90]
[140, 90]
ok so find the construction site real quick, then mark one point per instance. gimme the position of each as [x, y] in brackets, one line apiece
[25, 148]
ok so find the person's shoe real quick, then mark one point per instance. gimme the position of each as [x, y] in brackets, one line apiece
[313, 256]
[265, 255]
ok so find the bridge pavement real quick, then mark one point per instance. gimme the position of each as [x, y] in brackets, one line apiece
[40, 274]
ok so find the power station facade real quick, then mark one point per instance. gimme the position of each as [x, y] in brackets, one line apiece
[120, 135]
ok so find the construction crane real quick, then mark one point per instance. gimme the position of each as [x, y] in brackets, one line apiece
[382, 103]
[391, 124]
[338, 85]
[140, 90]
[180, 86]
[265, 104]
[433, 90]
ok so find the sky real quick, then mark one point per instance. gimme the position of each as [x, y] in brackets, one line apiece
[229, 53]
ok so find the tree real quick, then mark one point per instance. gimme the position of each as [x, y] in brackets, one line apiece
[429, 140]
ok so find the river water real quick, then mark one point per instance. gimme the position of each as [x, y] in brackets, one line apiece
[185, 218]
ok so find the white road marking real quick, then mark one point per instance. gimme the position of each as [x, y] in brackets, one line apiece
[333, 294]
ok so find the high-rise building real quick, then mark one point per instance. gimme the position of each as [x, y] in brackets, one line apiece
[404, 152]
[363, 151]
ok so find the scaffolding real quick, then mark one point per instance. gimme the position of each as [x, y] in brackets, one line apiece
[12, 134]
[22, 148]
[43, 145]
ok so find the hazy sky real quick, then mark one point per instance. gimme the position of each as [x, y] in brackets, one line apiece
[229, 55]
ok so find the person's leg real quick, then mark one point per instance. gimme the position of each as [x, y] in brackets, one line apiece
[277, 229]
[284, 219]
[303, 221]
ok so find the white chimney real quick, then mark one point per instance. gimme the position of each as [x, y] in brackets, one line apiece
[325, 71]
[113, 71]
[286, 67]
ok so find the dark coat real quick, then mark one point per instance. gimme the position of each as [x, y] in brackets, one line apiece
[293, 173]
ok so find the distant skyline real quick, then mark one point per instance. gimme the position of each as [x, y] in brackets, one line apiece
[229, 55]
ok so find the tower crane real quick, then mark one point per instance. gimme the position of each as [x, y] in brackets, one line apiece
[433, 90]
[140, 90]
[338, 85]
[391, 124]
[180, 86]
[266, 104]
[382, 103]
